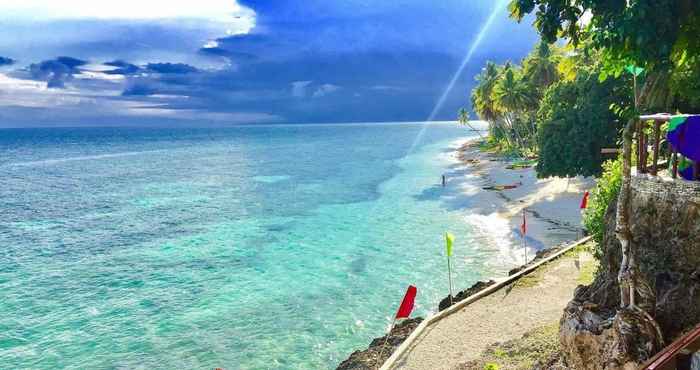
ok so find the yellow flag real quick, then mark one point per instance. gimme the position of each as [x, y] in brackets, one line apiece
[449, 240]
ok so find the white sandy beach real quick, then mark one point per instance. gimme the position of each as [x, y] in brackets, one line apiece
[551, 205]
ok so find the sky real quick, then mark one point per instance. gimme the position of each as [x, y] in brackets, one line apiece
[145, 62]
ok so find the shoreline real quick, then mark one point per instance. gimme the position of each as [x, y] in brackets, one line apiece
[556, 198]
[551, 205]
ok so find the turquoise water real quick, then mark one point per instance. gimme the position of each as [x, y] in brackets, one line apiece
[255, 247]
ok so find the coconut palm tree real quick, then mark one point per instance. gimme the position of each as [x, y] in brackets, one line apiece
[463, 118]
[540, 67]
[483, 102]
[513, 97]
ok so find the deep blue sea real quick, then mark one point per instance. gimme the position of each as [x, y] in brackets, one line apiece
[251, 247]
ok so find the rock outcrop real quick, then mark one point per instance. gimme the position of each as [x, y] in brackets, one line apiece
[476, 288]
[595, 333]
[369, 359]
[539, 255]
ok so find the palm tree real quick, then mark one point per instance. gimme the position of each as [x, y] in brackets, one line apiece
[540, 67]
[482, 94]
[463, 118]
[484, 104]
[512, 96]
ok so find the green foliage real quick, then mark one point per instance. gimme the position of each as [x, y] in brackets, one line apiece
[575, 122]
[604, 194]
[491, 366]
[507, 97]
[660, 36]
[685, 83]
[644, 33]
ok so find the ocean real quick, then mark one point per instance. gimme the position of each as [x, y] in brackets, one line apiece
[247, 247]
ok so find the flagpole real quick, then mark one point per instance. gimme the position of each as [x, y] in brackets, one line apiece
[449, 239]
[524, 232]
[378, 363]
[404, 312]
[449, 277]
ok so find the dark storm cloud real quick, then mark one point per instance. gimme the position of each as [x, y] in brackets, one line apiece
[4, 61]
[122, 68]
[56, 72]
[166, 68]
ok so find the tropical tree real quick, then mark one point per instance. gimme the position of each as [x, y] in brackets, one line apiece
[575, 122]
[484, 105]
[540, 67]
[512, 97]
[463, 119]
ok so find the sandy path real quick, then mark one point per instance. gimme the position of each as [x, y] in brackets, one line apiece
[507, 314]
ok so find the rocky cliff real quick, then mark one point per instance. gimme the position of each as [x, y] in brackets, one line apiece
[594, 332]
[381, 348]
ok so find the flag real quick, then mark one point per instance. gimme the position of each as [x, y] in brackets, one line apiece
[523, 227]
[584, 201]
[634, 69]
[449, 240]
[407, 303]
[684, 135]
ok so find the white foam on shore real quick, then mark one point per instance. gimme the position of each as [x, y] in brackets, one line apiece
[494, 231]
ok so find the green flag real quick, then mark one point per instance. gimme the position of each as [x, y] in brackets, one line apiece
[636, 71]
[449, 240]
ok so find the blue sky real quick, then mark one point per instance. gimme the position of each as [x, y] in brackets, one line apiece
[78, 62]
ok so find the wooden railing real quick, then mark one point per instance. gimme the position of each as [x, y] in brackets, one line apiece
[677, 355]
[653, 145]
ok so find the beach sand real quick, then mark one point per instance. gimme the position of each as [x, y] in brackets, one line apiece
[551, 205]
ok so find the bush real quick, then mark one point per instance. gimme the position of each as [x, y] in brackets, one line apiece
[574, 122]
[605, 192]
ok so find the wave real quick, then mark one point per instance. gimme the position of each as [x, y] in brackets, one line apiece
[48, 162]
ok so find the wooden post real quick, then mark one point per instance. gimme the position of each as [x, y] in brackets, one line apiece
[657, 143]
[645, 151]
[642, 148]
[696, 171]
[639, 147]
[674, 159]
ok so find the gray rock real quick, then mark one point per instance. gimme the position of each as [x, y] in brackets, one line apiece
[369, 358]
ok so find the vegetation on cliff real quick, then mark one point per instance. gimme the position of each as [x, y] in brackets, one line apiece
[605, 193]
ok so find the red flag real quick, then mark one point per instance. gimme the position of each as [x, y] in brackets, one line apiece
[407, 303]
[584, 201]
[523, 227]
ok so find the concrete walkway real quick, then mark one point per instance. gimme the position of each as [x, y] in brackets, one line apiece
[533, 301]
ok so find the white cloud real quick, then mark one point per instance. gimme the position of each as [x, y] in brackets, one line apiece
[139, 109]
[325, 89]
[72, 103]
[299, 88]
[213, 10]
[33, 94]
